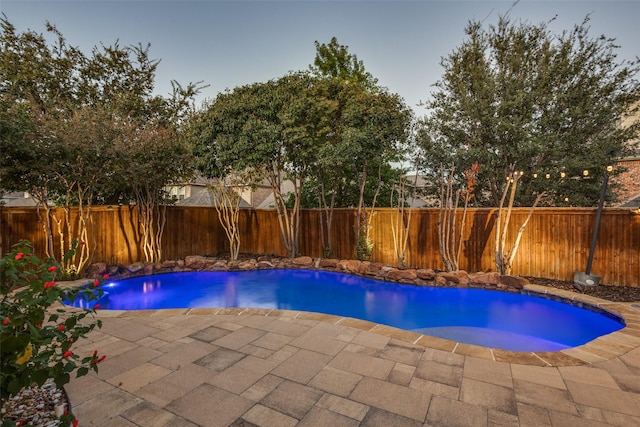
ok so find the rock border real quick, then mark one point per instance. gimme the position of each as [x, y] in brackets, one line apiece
[372, 270]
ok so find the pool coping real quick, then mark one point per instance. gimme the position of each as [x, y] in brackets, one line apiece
[601, 349]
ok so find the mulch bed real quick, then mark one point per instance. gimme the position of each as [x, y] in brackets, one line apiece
[608, 292]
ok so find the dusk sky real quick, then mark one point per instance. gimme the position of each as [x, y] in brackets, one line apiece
[231, 43]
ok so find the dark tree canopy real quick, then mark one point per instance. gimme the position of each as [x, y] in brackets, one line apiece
[517, 96]
[65, 112]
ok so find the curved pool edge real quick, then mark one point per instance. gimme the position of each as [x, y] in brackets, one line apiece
[601, 349]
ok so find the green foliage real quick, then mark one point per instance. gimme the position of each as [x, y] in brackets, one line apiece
[273, 128]
[364, 248]
[106, 137]
[36, 333]
[334, 61]
[517, 97]
[75, 109]
[347, 193]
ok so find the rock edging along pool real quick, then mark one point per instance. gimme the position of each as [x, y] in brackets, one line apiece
[503, 320]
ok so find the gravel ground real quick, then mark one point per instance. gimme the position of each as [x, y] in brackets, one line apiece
[36, 405]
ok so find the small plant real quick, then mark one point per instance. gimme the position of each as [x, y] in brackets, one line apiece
[364, 248]
[36, 333]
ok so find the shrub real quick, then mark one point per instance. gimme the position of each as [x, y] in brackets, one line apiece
[36, 332]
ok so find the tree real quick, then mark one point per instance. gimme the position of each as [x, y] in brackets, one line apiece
[86, 141]
[375, 127]
[225, 182]
[517, 95]
[227, 199]
[65, 112]
[369, 126]
[450, 228]
[155, 156]
[505, 254]
[333, 60]
[273, 128]
[401, 219]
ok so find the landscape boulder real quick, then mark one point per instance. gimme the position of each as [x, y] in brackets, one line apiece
[402, 275]
[97, 270]
[514, 282]
[426, 274]
[304, 261]
[197, 262]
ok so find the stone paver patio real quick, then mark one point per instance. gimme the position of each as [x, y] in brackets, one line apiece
[222, 367]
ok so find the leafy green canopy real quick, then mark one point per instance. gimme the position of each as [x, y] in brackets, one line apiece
[333, 60]
[517, 96]
[369, 130]
[67, 117]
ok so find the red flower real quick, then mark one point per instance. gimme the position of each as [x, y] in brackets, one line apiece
[96, 282]
[6, 320]
[52, 269]
[19, 256]
[48, 285]
[75, 423]
[96, 361]
[67, 354]
[70, 340]
[97, 306]
[105, 277]
[61, 327]
[95, 353]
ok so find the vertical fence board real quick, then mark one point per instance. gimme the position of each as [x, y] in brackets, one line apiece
[555, 243]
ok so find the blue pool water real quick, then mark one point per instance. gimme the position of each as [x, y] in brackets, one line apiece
[489, 318]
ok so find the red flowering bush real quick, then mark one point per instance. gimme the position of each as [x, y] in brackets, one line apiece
[37, 331]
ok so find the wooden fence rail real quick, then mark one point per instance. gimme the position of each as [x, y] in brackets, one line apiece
[555, 243]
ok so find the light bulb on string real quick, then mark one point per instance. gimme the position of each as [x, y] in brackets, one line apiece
[548, 176]
[535, 175]
[562, 174]
[609, 168]
[585, 173]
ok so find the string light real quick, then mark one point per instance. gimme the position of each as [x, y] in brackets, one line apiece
[562, 175]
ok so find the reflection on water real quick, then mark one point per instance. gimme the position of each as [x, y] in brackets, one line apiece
[230, 292]
[149, 286]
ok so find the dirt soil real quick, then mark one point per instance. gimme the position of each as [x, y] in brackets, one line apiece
[608, 292]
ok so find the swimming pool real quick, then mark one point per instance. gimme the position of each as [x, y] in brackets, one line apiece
[495, 319]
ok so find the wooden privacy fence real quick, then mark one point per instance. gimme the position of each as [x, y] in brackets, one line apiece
[555, 243]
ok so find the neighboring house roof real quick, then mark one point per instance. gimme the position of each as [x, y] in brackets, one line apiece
[270, 202]
[632, 203]
[205, 198]
[18, 199]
